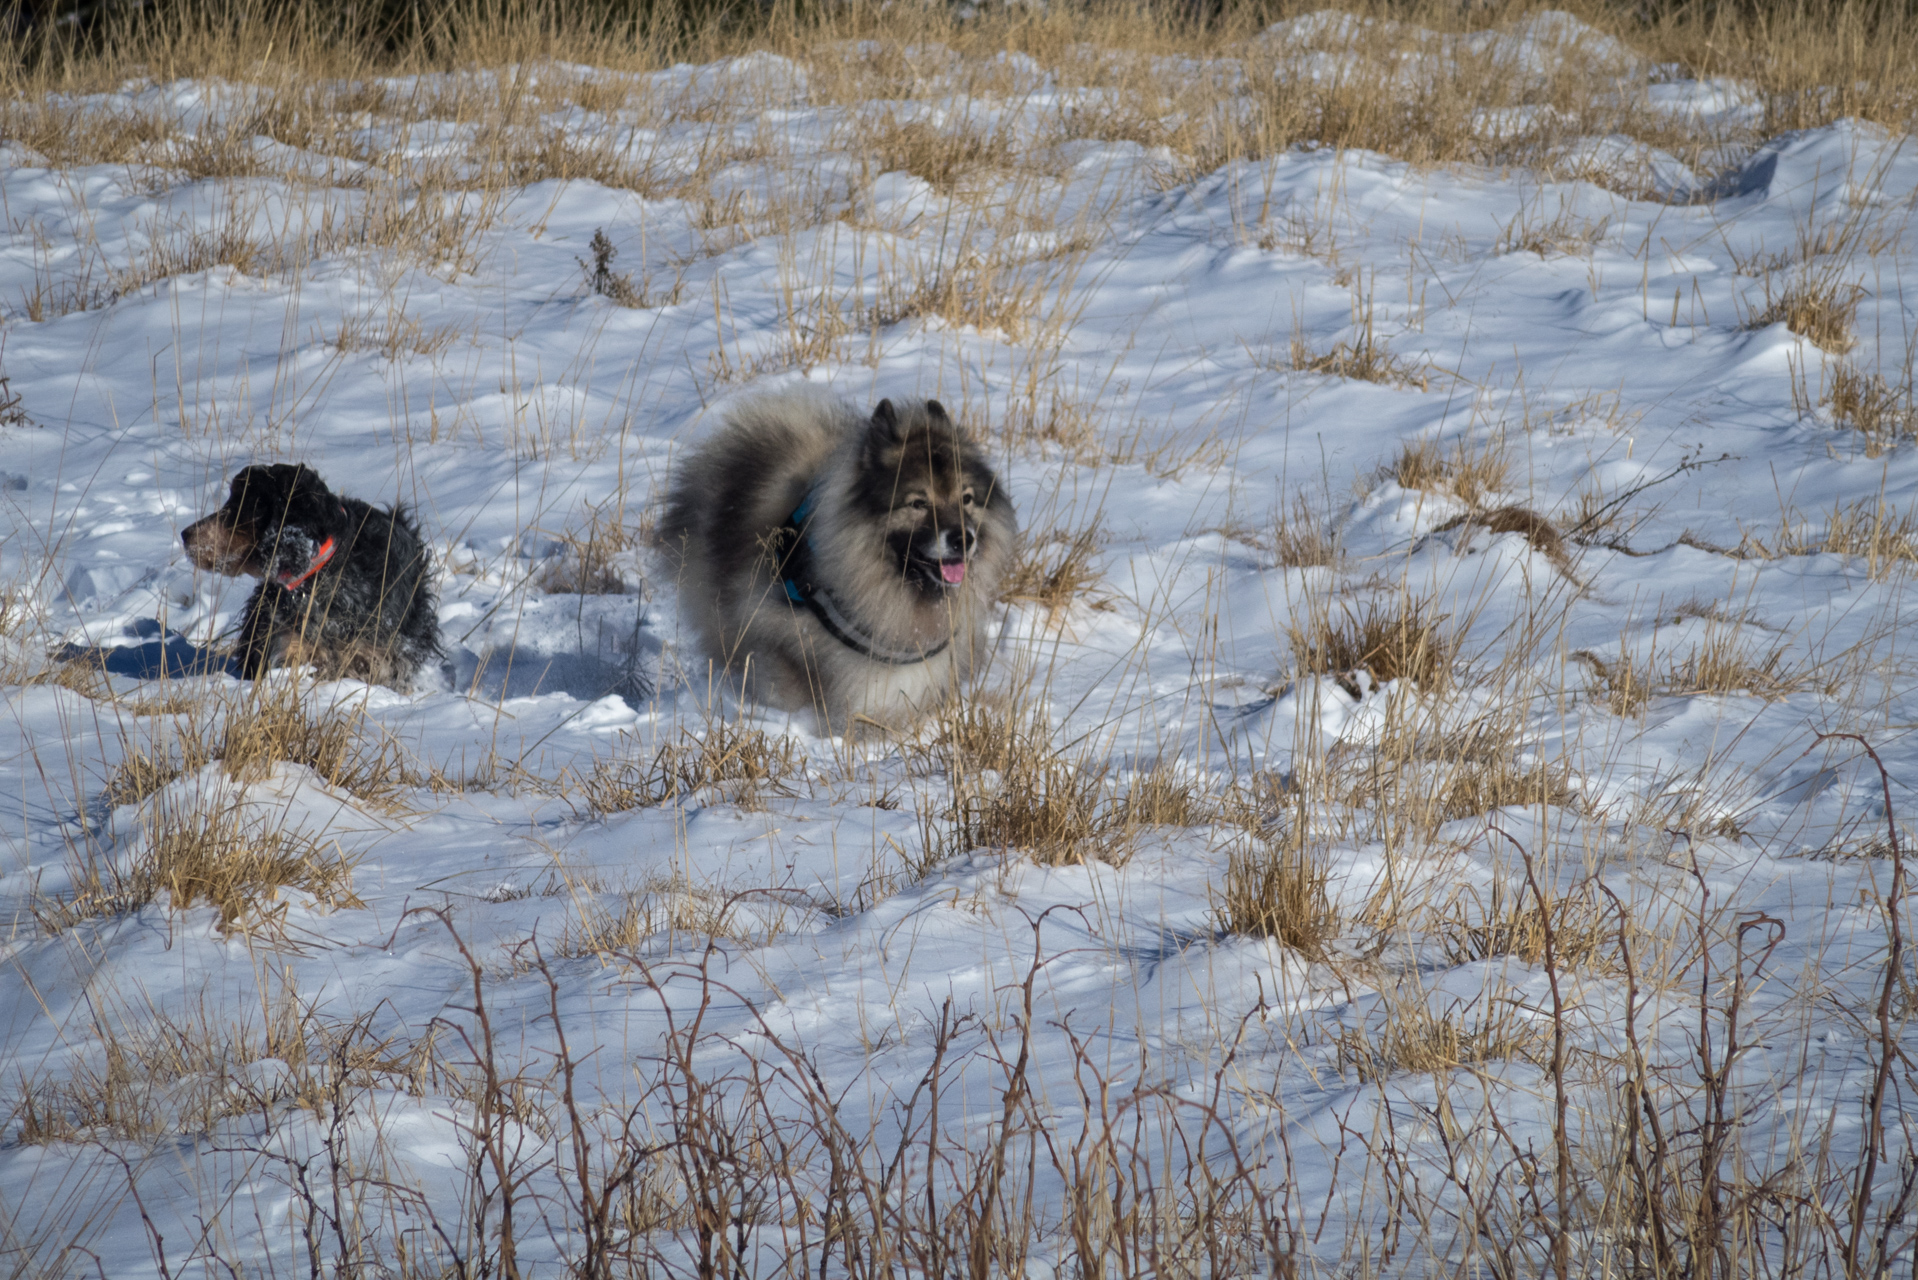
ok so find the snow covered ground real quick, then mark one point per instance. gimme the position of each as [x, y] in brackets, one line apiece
[1174, 368]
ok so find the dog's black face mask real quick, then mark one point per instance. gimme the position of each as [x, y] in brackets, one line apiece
[280, 523]
[933, 491]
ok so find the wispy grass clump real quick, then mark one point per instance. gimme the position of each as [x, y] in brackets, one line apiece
[1392, 639]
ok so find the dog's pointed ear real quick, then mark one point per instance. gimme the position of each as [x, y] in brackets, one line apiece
[885, 419]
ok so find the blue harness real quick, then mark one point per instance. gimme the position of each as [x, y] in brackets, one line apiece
[795, 575]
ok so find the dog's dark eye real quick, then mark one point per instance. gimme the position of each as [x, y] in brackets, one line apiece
[966, 497]
[918, 504]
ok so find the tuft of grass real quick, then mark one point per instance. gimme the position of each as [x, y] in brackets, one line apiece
[1884, 538]
[736, 764]
[1469, 474]
[1622, 684]
[1364, 357]
[1565, 234]
[1818, 307]
[1507, 922]
[1719, 664]
[185, 1073]
[668, 910]
[1484, 782]
[1302, 538]
[1161, 797]
[1055, 570]
[944, 158]
[214, 851]
[1541, 533]
[1014, 789]
[1391, 639]
[1880, 412]
[587, 564]
[1415, 1039]
[393, 334]
[269, 724]
[1056, 809]
[1276, 889]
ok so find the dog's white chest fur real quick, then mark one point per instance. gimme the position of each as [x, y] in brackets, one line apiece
[882, 690]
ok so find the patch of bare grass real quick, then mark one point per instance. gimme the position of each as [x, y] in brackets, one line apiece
[1014, 787]
[271, 723]
[1485, 781]
[1393, 639]
[211, 849]
[1564, 234]
[1885, 538]
[1363, 356]
[1508, 922]
[393, 333]
[1539, 532]
[945, 159]
[1818, 306]
[728, 761]
[1276, 889]
[1470, 473]
[666, 911]
[1721, 664]
[158, 1074]
[1055, 570]
[588, 563]
[1412, 1038]
[1880, 412]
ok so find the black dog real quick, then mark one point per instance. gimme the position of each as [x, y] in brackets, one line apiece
[344, 586]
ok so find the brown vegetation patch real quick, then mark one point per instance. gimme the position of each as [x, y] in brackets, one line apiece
[1818, 308]
[1276, 889]
[1541, 533]
[1510, 922]
[1055, 570]
[1469, 474]
[1392, 639]
[214, 851]
[587, 563]
[735, 764]
[1880, 412]
[943, 158]
[1415, 1039]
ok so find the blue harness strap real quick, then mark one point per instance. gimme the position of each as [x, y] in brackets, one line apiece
[794, 560]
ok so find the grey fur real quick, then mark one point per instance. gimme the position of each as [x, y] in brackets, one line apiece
[882, 563]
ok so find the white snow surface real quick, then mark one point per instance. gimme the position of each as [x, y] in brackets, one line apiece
[1630, 368]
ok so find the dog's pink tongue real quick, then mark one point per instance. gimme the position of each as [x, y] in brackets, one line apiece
[953, 571]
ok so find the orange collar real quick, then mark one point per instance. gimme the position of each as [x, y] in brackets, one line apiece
[320, 558]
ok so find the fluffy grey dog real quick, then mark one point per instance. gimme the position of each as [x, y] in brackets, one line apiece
[838, 562]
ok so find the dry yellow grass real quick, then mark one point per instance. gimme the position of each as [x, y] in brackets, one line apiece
[1471, 473]
[587, 563]
[1391, 639]
[1506, 921]
[736, 764]
[1879, 411]
[270, 723]
[1276, 889]
[1413, 1038]
[1055, 570]
[214, 850]
[315, 74]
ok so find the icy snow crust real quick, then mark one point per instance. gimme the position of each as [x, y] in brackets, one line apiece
[1631, 365]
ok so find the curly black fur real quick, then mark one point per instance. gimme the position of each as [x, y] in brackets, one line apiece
[344, 585]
